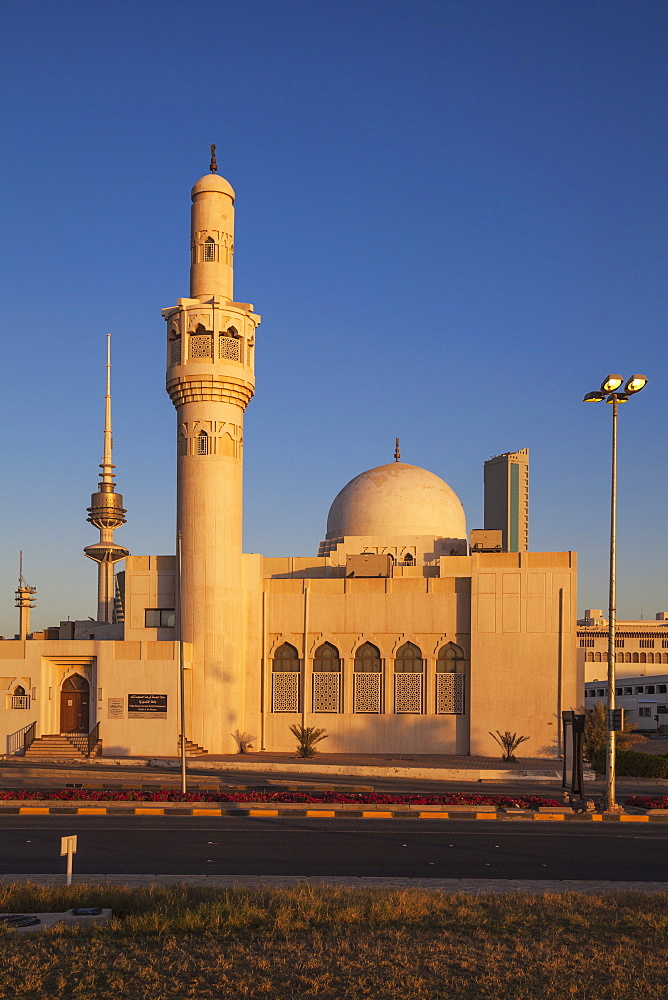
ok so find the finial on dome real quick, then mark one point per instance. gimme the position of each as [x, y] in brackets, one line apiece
[397, 453]
[213, 166]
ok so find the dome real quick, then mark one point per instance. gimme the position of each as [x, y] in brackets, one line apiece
[397, 499]
[212, 182]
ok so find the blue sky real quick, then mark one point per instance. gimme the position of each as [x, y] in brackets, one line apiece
[451, 216]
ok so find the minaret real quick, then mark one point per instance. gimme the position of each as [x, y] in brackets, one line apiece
[106, 513]
[25, 600]
[210, 363]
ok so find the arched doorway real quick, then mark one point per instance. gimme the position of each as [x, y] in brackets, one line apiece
[74, 701]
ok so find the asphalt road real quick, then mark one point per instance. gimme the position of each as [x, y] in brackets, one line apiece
[371, 848]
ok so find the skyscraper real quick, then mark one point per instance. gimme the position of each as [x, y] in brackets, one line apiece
[507, 498]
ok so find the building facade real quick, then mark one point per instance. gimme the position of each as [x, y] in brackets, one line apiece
[644, 700]
[507, 498]
[395, 637]
[641, 647]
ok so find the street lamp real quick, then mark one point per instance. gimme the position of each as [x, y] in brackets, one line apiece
[609, 393]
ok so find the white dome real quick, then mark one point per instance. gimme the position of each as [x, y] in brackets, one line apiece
[397, 499]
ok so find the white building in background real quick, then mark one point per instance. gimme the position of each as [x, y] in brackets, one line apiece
[643, 698]
[641, 647]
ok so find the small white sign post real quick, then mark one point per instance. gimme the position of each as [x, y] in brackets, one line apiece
[68, 846]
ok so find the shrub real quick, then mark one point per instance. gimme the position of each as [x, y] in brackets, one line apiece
[634, 764]
[648, 801]
[596, 730]
[519, 801]
[508, 742]
[307, 737]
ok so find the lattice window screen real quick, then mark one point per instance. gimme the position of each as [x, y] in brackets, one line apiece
[408, 692]
[229, 348]
[285, 691]
[326, 688]
[175, 351]
[366, 691]
[201, 345]
[450, 694]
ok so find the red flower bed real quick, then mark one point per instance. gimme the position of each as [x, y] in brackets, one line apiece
[381, 798]
[648, 801]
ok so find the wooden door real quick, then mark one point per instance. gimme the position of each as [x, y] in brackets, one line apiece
[74, 703]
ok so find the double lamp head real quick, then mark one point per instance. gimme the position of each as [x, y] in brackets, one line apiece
[611, 384]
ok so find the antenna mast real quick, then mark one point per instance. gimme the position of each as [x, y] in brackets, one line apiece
[107, 513]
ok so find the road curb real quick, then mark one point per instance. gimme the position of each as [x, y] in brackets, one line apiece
[328, 811]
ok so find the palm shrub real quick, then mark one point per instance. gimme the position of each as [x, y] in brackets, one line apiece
[307, 737]
[595, 732]
[508, 742]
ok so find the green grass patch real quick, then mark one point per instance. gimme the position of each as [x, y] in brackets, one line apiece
[326, 942]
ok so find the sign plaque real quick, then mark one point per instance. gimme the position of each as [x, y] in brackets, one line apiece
[143, 706]
[115, 708]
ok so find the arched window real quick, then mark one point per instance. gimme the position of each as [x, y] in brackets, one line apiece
[408, 679]
[367, 659]
[286, 658]
[451, 659]
[209, 249]
[285, 679]
[597, 657]
[409, 559]
[75, 683]
[20, 699]
[635, 658]
[201, 344]
[408, 659]
[650, 657]
[175, 347]
[229, 345]
[326, 679]
[367, 679]
[643, 657]
[619, 656]
[627, 658]
[326, 659]
[450, 680]
[202, 443]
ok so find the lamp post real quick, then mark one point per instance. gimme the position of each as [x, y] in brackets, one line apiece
[182, 678]
[609, 393]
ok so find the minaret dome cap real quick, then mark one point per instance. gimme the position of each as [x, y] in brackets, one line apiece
[212, 183]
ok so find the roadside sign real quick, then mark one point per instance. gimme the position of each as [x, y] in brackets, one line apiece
[68, 846]
[615, 720]
[572, 778]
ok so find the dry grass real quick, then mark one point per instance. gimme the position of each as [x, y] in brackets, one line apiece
[326, 942]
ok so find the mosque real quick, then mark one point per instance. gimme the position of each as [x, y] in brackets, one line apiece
[402, 635]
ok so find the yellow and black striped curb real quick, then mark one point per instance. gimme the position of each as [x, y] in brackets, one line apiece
[269, 811]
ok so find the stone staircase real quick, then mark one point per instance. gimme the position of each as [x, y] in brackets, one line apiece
[193, 749]
[60, 747]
